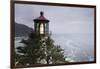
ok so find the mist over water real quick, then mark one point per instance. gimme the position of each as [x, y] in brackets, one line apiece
[77, 47]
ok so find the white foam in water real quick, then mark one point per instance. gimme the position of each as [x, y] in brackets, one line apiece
[77, 48]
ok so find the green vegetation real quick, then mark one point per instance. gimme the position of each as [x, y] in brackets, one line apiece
[39, 51]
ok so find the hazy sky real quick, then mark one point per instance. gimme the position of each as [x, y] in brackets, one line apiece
[62, 19]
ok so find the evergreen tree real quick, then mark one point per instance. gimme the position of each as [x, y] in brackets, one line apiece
[54, 51]
[34, 52]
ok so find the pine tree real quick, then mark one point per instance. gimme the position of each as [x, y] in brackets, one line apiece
[54, 51]
[33, 51]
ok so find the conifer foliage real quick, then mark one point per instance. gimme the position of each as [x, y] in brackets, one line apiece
[38, 51]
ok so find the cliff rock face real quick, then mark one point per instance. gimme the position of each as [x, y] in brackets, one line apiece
[22, 30]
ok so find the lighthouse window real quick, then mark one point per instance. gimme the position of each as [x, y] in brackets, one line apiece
[41, 29]
[37, 27]
[46, 28]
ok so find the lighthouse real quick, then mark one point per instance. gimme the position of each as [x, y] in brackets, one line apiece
[41, 27]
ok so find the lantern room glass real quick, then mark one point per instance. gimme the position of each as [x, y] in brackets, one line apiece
[41, 29]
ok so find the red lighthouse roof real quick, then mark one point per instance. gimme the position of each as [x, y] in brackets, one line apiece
[41, 18]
